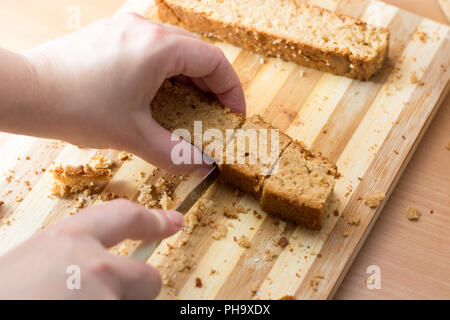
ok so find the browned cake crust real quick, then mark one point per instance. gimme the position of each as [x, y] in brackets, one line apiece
[249, 177]
[300, 188]
[339, 60]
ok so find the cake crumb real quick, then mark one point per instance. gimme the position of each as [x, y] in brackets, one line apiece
[198, 282]
[283, 242]
[230, 213]
[220, 232]
[413, 214]
[314, 283]
[244, 242]
[125, 156]
[414, 78]
[183, 264]
[167, 281]
[255, 287]
[375, 200]
[354, 221]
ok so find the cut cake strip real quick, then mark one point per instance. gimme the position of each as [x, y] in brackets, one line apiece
[299, 187]
[305, 34]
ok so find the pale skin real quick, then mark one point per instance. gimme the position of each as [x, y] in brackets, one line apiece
[93, 88]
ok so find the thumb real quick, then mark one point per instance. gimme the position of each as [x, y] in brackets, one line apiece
[121, 219]
[169, 152]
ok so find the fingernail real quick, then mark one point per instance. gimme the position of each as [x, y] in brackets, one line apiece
[176, 218]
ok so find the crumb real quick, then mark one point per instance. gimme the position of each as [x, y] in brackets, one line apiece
[283, 242]
[198, 282]
[203, 215]
[255, 287]
[158, 195]
[125, 156]
[183, 264]
[108, 196]
[375, 200]
[269, 255]
[27, 158]
[422, 36]
[230, 213]
[346, 234]
[165, 201]
[413, 214]
[213, 271]
[336, 212]
[220, 232]
[288, 297]
[166, 280]
[414, 78]
[354, 221]
[314, 283]
[244, 242]
[81, 202]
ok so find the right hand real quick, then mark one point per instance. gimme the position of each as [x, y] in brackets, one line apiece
[37, 268]
[94, 86]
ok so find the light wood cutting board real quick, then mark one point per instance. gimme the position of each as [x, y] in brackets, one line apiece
[370, 129]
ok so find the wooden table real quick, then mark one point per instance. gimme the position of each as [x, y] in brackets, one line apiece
[413, 256]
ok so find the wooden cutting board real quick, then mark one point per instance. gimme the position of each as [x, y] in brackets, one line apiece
[370, 129]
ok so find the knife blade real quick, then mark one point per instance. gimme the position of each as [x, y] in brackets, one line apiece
[145, 249]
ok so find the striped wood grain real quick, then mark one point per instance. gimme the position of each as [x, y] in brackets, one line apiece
[359, 125]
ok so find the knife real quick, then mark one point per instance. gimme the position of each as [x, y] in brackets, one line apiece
[145, 249]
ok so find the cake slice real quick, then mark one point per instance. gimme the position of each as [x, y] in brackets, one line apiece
[305, 34]
[299, 187]
[251, 154]
[178, 106]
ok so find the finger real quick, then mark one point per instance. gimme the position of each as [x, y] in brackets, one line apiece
[137, 279]
[167, 151]
[112, 222]
[197, 59]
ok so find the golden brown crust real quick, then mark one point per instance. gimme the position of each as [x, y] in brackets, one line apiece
[337, 62]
